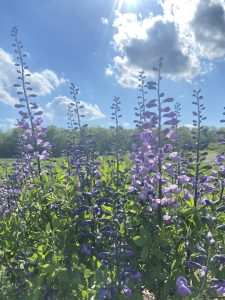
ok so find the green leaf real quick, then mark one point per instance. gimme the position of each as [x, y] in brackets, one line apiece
[85, 294]
[139, 240]
[87, 273]
[34, 257]
[48, 228]
[144, 253]
[45, 266]
[190, 202]
[143, 231]
[45, 177]
[106, 208]
[186, 212]
[173, 264]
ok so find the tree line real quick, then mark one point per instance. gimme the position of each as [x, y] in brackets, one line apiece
[104, 140]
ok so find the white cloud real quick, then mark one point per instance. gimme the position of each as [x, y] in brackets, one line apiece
[7, 78]
[105, 21]
[189, 35]
[43, 83]
[8, 123]
[7, 68]
[57, 108]
[126, 125]
[190, 126]
[127, 73]
[6, 98]
[109, 71]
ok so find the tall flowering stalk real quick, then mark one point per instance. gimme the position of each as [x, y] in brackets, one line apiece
[157, 121]
[198, 124]
[140, 110]
[116, 115]
[30, 124]
[113, 225]
[177, 110]
[152, 176]
[82, 145]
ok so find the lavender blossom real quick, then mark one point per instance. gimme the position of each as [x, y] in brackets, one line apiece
[182, 287]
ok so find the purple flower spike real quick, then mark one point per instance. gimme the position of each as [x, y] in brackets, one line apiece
[182, 286]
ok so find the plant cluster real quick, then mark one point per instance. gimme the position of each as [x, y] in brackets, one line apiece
[111, 227]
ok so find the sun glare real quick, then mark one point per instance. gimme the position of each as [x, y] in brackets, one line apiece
[126, 2]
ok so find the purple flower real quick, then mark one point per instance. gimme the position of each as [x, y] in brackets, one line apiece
[155, 178]
[220, 290]
[104, 263]
[182, 286]
[38, 121]
[203, 270]
[167, 218]
[169, 168]
[183, 179]
[172, 122]
[85, 249]
[33, 105]
[175, 157]
[29, 147]
[39, 142]
[167, 148]
[126, 291]
[47, 146]
[104, 293]
[53, 206]
[86, 222]
[172, 136]
[136, 275]
[187, 194]
[219, 287]
[201, 249]
[218, 258]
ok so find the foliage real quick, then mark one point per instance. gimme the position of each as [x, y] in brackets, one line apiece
[109, 227]
[56, 136]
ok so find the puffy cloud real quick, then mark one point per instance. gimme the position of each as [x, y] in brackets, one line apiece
[126, 74]
[208, 25]
[57, 108]
[43, 82]
[189, 35]
[162, 39]
[141, 42]
[179, 12]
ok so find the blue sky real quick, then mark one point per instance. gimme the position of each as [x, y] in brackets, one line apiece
[100, 45]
